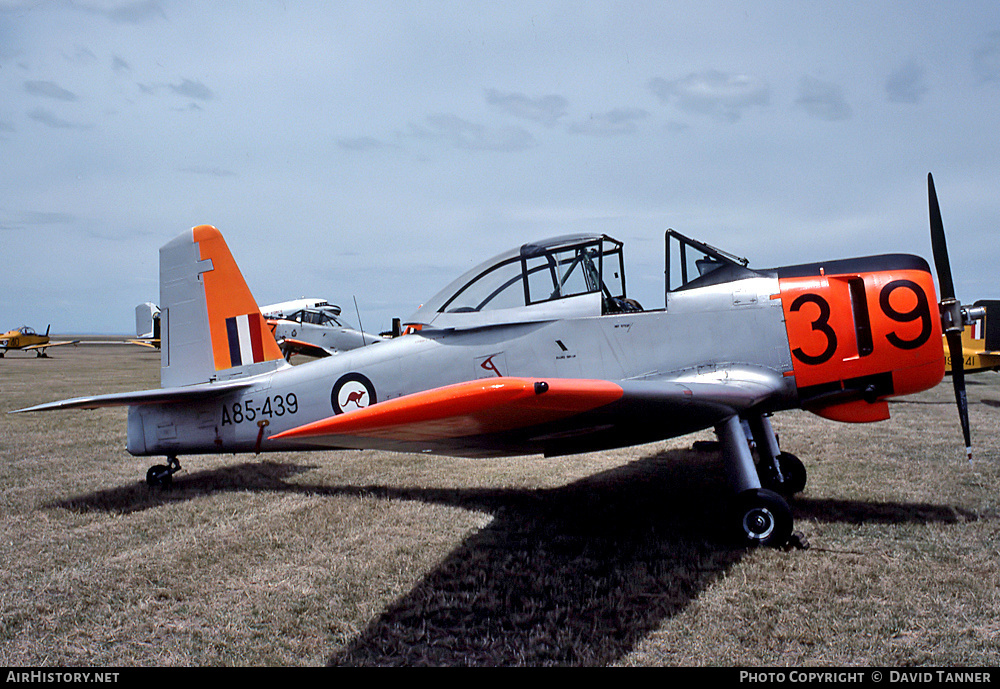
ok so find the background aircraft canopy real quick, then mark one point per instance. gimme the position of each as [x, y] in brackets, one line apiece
[319, 316]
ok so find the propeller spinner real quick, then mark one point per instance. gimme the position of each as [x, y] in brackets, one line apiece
[954, 316]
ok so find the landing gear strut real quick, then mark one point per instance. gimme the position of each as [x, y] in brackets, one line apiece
[162, 475]
[782, 472]
[760, 516]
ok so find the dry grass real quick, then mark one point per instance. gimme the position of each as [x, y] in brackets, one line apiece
[361, 558]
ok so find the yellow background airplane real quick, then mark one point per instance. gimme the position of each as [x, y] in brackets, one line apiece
[981, 341]
[27, 339]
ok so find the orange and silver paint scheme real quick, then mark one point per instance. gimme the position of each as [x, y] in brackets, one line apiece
[859, 331]
[239, 332]
[540, 350]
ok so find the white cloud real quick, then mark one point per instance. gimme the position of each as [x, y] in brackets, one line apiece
[50, 119]
[136, 12]
[546, 110]
[48, 89]
[711, 92]
[612, 123]
[459, 133]
[907, 84]
[192, 89]
[823, 100]
[986, 58]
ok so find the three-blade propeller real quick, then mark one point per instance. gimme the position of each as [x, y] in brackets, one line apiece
[954, 317]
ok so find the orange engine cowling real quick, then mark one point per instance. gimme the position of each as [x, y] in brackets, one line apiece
[860, 331]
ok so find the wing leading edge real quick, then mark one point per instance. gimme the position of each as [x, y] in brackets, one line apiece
[473, 408]
[512, 415]
[50, 344]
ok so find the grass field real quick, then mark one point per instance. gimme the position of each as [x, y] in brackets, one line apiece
[369, 558]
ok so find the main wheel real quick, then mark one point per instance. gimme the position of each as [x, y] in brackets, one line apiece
[762, 518]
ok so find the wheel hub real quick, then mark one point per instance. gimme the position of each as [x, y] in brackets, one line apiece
[758, 523]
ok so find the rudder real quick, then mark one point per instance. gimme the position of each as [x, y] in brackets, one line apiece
[210, 325]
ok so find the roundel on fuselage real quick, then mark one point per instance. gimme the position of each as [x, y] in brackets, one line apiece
[352, 391]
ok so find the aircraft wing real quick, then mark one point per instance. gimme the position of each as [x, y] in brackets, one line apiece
[51, 344]
[151, 343]
[982, 361]
[157, 396]
[503, 416]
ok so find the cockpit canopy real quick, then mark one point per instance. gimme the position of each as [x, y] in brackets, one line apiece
[316, 317]
[570, 276]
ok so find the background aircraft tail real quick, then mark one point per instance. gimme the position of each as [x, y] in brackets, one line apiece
[988, 328]
[147, 321]
[210, 325]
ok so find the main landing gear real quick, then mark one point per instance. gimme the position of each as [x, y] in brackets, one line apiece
[162, 475]
[760, 513]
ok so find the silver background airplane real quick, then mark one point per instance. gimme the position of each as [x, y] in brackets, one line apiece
[316, 331]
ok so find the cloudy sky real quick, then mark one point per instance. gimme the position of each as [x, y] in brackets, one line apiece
[372, 151]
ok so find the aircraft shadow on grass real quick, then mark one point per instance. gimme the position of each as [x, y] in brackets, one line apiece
[573, 575]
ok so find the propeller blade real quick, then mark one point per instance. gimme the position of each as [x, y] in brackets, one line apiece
[952, 318]
[938, 244]
[958, 380]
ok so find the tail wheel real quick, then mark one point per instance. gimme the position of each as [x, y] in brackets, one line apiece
[162, 475]
[159, 476]
[762, 518]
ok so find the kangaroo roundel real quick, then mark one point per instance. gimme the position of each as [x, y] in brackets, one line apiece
[351, 392]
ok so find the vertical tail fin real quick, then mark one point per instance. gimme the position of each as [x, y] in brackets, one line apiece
[210, 326]
[147, 320]
[989, 326]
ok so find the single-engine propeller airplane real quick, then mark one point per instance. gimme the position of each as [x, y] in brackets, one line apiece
[317, 332]
[302, 326]
[539, 350]
[25, 338]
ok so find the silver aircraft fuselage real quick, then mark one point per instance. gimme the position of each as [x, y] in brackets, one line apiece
[719, 325]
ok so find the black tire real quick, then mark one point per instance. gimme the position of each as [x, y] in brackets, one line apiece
[793, 473]
[762, 518]
[159, 476]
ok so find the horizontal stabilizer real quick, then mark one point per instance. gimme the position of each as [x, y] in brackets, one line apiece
[161, 395]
